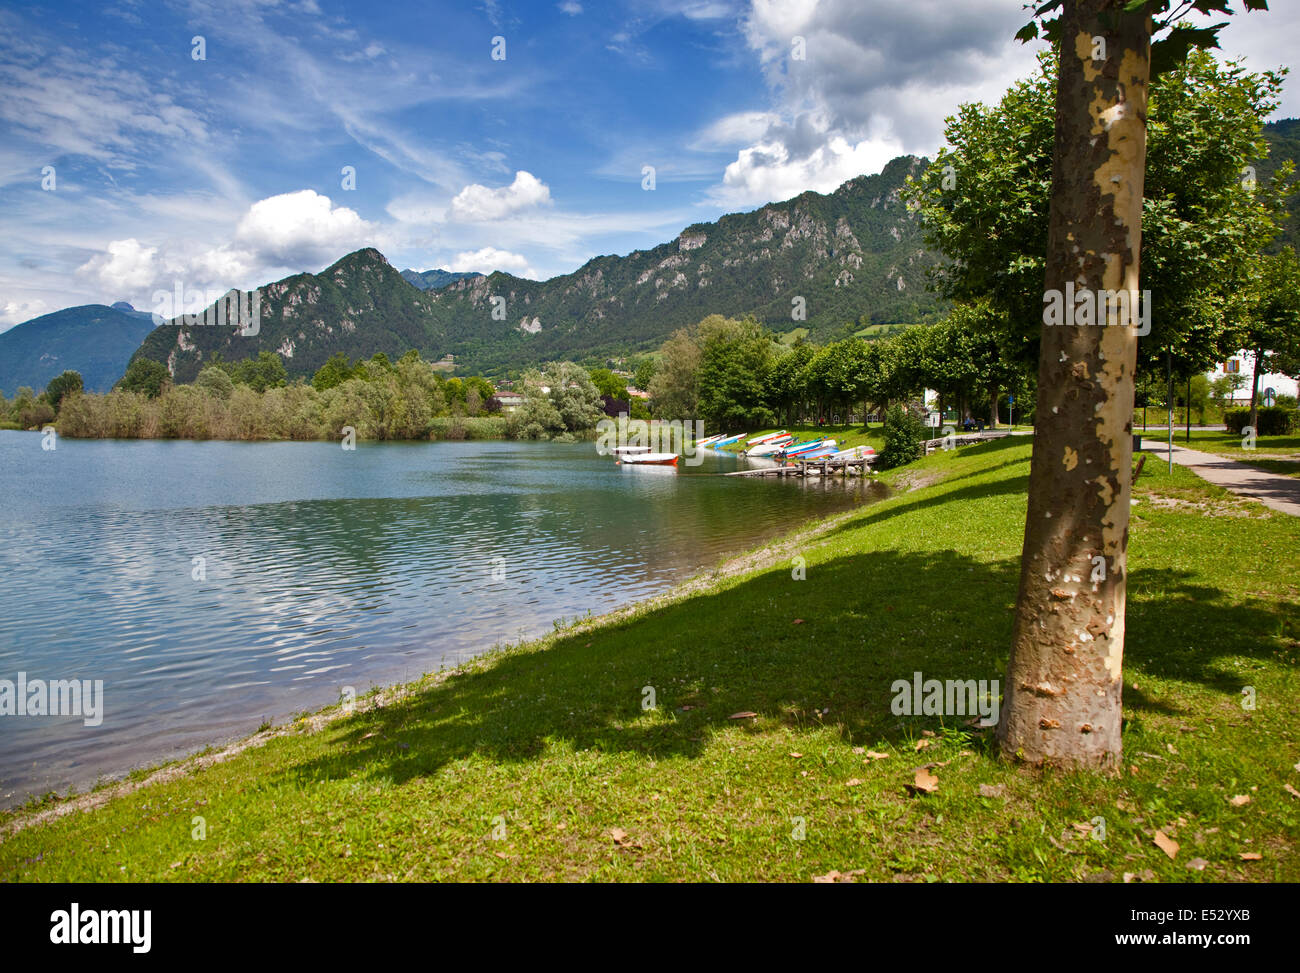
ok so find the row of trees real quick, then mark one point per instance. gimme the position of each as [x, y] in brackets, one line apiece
[733, 373]
[380, 399]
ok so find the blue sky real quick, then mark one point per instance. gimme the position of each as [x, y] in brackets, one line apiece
[227, 171]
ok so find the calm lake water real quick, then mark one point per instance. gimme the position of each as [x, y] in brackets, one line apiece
[322, 568]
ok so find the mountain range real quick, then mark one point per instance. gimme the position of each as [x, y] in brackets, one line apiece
[848, 260]
[94, 339]
[431, 280]
[831, 263]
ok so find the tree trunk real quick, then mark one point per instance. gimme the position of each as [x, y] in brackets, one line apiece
[1062, 695]
[1254, 391]
[993, 407]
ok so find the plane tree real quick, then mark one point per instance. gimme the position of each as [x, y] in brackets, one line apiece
[1062, 697]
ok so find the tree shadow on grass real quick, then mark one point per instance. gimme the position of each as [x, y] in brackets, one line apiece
[825, 650]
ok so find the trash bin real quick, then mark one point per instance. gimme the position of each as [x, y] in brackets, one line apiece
[1137, 443]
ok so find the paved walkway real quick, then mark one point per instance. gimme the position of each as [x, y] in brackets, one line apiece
[1271, 489]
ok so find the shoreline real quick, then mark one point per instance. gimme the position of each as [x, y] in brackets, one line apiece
[38, 808]
[770, 709]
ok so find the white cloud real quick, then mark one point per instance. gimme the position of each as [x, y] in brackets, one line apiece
[126, 266]
[732, 130]
[875, 80]
[476, 203]
[301, 228]
[571, 8]
[16, 312]
[489, 259]
[767, 171]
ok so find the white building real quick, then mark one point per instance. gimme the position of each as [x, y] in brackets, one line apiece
[1243, 364]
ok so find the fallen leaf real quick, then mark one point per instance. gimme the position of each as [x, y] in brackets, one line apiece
[1083, 827]
[854, 782]
[924, 782]
[501, 854]
[1291, 790]
[1166, 844]
[927, 733]
[832, 877]
[619, 836]
[1239, 800]
[1251, 856]
[798, 621]
[795, 755]
[742, 715]
[859, 750]
[992, 790]
[1197, 864]
[922, 743]
[873, 755]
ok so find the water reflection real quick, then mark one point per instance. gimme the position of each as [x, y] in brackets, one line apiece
[214, 585]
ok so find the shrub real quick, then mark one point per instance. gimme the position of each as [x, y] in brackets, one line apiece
[903, 435]
[1274, 421]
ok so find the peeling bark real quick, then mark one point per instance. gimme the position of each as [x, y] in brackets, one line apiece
[1069, 624]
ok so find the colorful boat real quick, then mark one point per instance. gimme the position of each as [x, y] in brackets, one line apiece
[728, 441]
[773, 446]
[650, 459]
[799, 448]
[824, 451]
[757, 440]
[710, 441]
[628, 450]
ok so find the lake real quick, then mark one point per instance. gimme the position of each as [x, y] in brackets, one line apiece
[213, 585]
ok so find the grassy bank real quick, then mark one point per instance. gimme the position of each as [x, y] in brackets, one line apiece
[547, 746]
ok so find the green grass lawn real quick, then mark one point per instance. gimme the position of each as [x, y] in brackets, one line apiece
[539, 762]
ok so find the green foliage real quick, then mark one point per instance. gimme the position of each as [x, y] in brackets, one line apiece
[146, 377]
[266, 371]
[643, 372]
[216, 382]
[26, 411]
[607, 383]
[379, 399]
[1270, 421]
[558, 399]
[904, 433]
[675, 388]
[985, 204]
[335, 371]
[735, 359]
[68, 383]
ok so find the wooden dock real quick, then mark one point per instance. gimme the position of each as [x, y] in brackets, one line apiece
[818, 467]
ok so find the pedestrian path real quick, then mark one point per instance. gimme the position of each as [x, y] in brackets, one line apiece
[1271, 489]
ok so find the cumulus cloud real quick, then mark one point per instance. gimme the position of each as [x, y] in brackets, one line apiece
[489, 259]
[301, 228]
[296, 231]
[857, 82]
[571, 8]
[769, 170]
[476, 203]
[125, 266]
